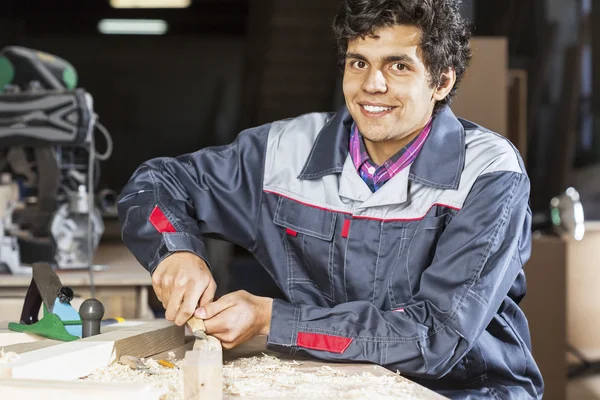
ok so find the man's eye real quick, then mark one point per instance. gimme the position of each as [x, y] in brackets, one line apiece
[359, 64]
[399, 67]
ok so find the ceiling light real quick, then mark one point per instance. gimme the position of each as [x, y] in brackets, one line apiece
[150, 3]
[132, 26]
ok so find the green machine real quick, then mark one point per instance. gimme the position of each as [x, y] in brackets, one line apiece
[19, 66]
[47, 125]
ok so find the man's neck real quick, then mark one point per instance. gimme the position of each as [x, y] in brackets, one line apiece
[379, 152]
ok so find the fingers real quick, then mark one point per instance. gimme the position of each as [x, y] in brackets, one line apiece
[165, 289]
[227, 327]
[174, 302]
[157, 281]
[211, 309]
[217, 325]
[209, 293]
[184, 297]
[188, 306]
[182, 281]
[157, 290]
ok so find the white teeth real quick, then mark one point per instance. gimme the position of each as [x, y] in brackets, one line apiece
[376, 109]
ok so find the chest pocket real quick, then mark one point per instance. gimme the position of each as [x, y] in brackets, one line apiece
[415, 253]
[307, 234]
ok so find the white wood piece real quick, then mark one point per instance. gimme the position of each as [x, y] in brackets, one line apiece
[8, 338]
[24, 347]
[23, 389]
[72, 360]
[203, 366]
[203, 374]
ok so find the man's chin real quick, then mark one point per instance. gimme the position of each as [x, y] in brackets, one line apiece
[375, 136]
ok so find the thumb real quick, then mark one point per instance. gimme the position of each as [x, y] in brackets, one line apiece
[211, 309]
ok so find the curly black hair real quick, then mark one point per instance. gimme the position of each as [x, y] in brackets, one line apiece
[445, 34]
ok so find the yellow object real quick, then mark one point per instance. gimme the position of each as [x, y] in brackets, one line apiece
[167, 364]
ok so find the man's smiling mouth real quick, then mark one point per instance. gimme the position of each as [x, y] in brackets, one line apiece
[375, 110]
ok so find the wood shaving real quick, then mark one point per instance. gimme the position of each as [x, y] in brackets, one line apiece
[269, 377]
[8, 358]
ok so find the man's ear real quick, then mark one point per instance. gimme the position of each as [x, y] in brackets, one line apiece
[448, 81]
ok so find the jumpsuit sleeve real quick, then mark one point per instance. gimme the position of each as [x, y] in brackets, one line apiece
[169, 204]
[478, 257]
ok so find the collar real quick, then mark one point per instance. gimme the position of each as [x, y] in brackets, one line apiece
[330, 149]
[356, 140]
[439, 164]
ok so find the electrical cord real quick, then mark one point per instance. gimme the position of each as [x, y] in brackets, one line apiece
[109, 143]
[91, 161]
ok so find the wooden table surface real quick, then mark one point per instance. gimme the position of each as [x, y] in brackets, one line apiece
[120, 268]
[121, 284]
[256, 347]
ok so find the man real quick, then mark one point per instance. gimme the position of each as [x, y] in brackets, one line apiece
[397, 232]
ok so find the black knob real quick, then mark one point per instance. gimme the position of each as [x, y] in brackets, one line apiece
[65, 294]
[91, 312]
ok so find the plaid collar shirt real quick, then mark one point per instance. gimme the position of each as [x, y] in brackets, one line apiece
[376, 176]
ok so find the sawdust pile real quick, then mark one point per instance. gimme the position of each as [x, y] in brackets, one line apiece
[8, 357]
[269, 377]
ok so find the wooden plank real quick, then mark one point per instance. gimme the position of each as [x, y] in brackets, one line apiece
[81, 357]
[8, 338]
[479, 98]
[203, 366]
[545, 307]
[203, 373]
[24, 346]
[21, 348]
[53, 390]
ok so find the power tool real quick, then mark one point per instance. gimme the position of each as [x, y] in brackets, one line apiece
[48, 163]
[21, 66]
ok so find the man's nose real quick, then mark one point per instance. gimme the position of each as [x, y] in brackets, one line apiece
[375, 82]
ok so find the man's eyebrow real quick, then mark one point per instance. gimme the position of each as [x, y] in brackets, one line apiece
[387, 59]
[399, 58]
[356, 56]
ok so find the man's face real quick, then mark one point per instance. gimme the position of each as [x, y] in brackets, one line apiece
[386, 85]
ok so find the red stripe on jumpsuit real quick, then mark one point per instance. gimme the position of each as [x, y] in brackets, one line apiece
[160, 221]
[317, 341]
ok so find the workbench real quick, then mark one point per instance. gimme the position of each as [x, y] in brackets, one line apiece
[79, 358]
[122, 285]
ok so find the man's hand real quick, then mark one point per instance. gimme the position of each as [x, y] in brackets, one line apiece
[237, 317]
[182, 282]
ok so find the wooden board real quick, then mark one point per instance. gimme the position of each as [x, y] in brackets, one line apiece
[545, 306]
[8, 338]
[203, 373]
[81, 357]
[25, 342]
[53, 390]
[203, 366]
[482, 94]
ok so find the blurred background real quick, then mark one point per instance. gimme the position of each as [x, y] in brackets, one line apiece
[169, 77]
